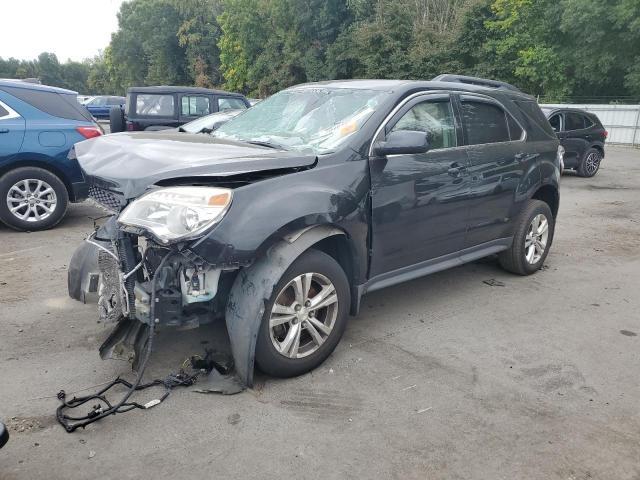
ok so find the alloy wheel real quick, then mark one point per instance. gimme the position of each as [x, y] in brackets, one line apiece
[303, 315]
[592, 163]
[31, 200]
[536, 240]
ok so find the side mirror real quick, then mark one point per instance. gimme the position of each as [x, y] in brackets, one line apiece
[402, 142]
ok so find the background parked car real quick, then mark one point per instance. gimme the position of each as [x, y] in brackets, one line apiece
[100, 106]
[171, 106]
[38, 126]
[83, 99]
[582, 136]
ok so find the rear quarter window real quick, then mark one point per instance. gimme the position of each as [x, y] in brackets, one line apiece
[588, 122]
[533, 116]
[56, 104]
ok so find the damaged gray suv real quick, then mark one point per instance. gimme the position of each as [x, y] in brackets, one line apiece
[283, 218]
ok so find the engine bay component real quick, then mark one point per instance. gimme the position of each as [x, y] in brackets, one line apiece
[198, 284]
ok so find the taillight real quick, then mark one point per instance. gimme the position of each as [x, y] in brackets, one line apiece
[130, 126]
[606, 134]
[89, 132]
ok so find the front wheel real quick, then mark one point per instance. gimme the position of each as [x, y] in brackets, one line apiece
[32, 199]
[305, 316]
[531, 241]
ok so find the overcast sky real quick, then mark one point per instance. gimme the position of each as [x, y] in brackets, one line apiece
[75, 29]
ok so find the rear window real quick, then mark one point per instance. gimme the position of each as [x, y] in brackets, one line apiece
[573, 121]
[484, 123]
[228, 103]
[195, 106]
[56, 104]
[153, 104]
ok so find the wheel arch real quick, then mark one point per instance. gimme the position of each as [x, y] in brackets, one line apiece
[550, 195]
[598, 147]
[254, 286]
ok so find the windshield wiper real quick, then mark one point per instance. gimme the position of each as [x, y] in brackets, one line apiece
[261, 143]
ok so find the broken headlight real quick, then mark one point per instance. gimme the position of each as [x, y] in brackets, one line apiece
[174, 214]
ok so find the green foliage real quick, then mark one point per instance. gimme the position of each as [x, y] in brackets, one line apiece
[71, 75]
[556, 49]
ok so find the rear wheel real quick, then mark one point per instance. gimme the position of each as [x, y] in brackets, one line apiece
[116, 120]
[32, 199]
[531, 241]
[305, 317]
[590, 164]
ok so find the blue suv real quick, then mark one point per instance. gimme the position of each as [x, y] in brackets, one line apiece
[38, 126]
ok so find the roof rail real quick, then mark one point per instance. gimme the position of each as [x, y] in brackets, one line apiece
[482, 82]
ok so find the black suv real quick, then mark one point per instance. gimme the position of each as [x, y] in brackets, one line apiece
[581, 135]
[284, 217]
[155, 108]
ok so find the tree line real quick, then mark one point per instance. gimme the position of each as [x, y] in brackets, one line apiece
[582, 50]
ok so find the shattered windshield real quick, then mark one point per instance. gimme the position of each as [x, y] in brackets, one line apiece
[316, 119]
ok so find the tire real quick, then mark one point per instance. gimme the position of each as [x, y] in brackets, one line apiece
[116, 120]
[45, 191]
[590, 163]
[518, 258]
[312, 350]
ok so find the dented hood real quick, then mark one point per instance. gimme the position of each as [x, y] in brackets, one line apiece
[131, 162]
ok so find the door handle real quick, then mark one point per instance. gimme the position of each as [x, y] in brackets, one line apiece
[455, 169]
[4, 130]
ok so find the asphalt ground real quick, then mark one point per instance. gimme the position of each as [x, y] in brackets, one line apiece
[444, 377]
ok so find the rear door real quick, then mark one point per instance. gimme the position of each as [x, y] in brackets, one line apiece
[419, 201]
[12, 127]
[498, 161]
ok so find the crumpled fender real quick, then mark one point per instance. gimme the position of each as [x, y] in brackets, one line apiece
[82, 274]
[252, 290]
[83, 271]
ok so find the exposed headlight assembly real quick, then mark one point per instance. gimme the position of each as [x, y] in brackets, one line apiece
[174, 214]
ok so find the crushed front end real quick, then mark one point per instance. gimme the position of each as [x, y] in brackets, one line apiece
[125, 268]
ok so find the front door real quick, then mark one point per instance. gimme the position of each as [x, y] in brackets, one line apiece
[419, 201]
